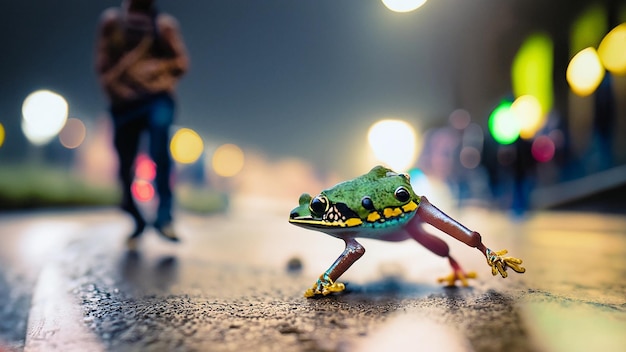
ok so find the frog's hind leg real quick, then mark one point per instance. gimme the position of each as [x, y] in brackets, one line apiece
[440, 248]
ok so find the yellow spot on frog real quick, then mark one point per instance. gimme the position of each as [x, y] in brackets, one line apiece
[373, 216]
[409, 207]
[392, 212]
[353, 222]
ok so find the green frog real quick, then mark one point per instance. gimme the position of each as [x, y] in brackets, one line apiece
[382, 205]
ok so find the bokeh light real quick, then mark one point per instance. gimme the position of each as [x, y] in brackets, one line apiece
[506, 155]
[612, 50]
[543, 149]
[585, 72]
[228, 160]
[474, 136]
[504, 125]
[44, 115]
[2, 134]
[460, 119]
[528, 111]
[142, 190]
[532, 70]
[394, 143]
[470, 157]
[186, 146]
[37, 136]
[403, 5]
[145, 168]
[73, 133]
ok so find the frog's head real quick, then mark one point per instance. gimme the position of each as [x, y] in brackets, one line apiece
[379, 199]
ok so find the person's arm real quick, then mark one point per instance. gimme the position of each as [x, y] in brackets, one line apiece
[108, 71]
[170, 33]
[162, 73]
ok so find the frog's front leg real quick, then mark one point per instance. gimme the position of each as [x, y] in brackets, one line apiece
[327, 281]
[496, 260]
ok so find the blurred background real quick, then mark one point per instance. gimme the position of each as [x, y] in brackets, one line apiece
[516, 105]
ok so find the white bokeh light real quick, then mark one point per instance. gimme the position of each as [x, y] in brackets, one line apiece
[394, 143]
[403, 5]
[44, 115]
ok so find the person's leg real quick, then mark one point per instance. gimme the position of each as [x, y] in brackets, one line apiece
[161, 118]
[126, 142]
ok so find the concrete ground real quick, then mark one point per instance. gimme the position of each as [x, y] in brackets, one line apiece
[237, 279]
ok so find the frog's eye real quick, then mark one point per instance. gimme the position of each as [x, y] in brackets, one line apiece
[367, 203]
[402, 194]
[319, 205]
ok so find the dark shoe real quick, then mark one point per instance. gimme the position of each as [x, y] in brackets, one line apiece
[167, 231]
[132, 243]
[133, 240]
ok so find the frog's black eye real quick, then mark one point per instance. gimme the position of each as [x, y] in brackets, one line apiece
[367, 203]
[402, 194]
[319, 205]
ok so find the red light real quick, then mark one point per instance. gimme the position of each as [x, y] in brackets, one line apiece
[145, 168]
[543, 149]
[142, 190]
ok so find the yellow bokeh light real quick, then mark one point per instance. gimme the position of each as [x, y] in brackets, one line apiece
[585, 72]
[403, 5]
[186, 146]
[532, 70]
[73, 133]
[228, 160]
[612, 50]
[394, 143]
[44, 115]
[2, 134]
[527, 109]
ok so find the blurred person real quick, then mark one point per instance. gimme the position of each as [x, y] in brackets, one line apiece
[140, 57]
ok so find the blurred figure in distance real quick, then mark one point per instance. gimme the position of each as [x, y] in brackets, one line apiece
[140, 57]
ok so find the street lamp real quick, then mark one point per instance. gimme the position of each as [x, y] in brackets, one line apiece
[394, 143]
[403, 5]
[44, 115]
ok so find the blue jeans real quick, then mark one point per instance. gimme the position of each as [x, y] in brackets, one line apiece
[155, 116]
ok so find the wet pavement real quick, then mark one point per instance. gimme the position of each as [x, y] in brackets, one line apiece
[15, 297]
[28, 240]
[232, 285]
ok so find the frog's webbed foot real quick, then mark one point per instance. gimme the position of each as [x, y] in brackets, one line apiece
[499, 263]
[457, 275]
[324, 286]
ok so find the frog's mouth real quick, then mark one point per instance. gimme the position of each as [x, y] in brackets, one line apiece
[337, 216]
